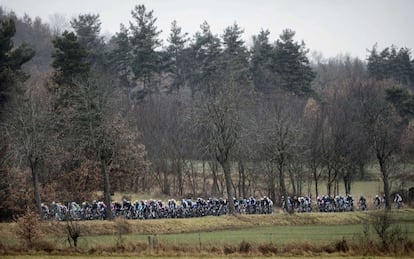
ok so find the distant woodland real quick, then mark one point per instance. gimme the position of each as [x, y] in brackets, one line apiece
[194, 115]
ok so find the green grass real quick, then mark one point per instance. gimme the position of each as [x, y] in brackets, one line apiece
[314, 234]
[314, 228]
[283, 230]
[282, 227]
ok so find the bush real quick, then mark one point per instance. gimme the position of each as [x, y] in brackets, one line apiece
[245, 247]
[381, 234]
[28, 228]
[228, 249]
[342, 246]
[268, 249]
[74, 231]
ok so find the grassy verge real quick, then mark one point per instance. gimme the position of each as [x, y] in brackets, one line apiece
[297, 234]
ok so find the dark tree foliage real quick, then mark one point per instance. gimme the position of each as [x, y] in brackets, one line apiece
[120, 57]
[174, 63]
[391, 63]
[260, 63]
[402, 100]
[235, 54]
[70, 59]
[87, 28]
[292, 65]
[144, 42]
[206, 65]
[11, 60]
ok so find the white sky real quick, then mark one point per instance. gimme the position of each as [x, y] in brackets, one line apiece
[330, 26]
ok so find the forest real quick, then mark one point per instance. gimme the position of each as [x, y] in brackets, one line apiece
[195, 115]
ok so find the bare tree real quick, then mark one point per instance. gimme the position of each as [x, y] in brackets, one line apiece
[280, 136]
[220, 121]
[383, 127]
[313, 140]
[27, 129]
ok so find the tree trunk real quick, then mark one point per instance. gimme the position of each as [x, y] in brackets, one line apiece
[316, 179]
[180, 177]
[229, 186]
[273, 186]
[347, 183]
[165, 185]
[242, 180]
[330, 181]
[204, 191]
[107, 189]
[293, 182]
[194, 186]
[33, 167]
[385, 180]
[215, 188]
[282, 185]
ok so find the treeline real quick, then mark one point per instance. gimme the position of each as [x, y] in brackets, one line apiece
[202, 115]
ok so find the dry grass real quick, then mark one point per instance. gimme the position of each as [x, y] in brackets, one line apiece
[339, 248]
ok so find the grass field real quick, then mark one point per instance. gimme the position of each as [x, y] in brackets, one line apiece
[281, 233]
[213, 233]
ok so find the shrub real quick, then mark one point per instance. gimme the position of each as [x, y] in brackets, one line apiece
[342, 246]
[387, 236]
[73, 230]
[28, 228]
[228, 249]
[245, 247]
[268, 249]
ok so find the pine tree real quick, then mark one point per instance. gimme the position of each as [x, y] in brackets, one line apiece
[144, 42]
[121, 57]
[175, 57]
[235, 54]
[261, 53]
[87, 28]
[391, 63]
[70, 59]
[292, 65]
[82, 97]
[11, 60]
[206, 66]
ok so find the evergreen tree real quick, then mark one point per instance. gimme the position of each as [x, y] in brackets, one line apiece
[374, 64]
[206, 66]
[405, 70]
[292, 65]
[391, 63]
[144, 42]
[11, 60]
[235, 54]
[82, 98]
[70, 64]
[402, 100]
[121, 57]
[175, 57]
[261, 53]
[70, 59]
[87, 28]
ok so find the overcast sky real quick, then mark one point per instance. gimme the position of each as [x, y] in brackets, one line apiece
[329, 26]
